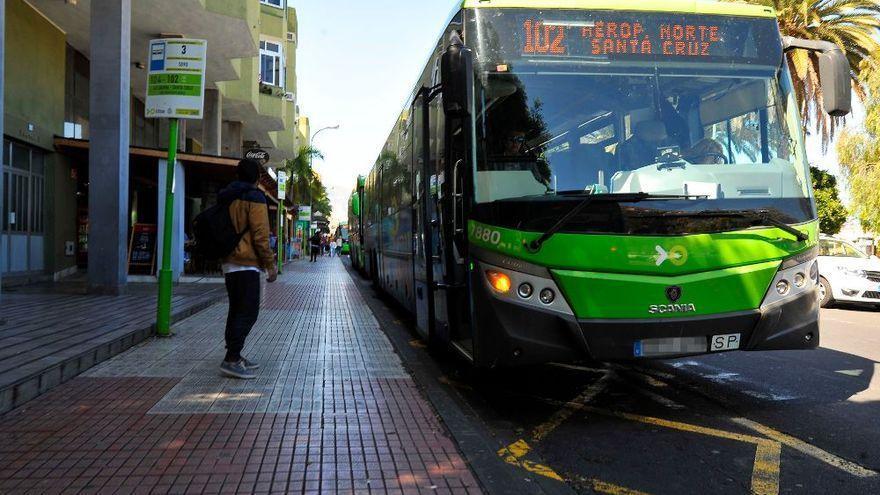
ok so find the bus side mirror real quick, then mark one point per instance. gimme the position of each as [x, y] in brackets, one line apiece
[456, 73]
[834, 73]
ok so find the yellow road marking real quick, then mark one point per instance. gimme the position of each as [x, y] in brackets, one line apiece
[514, 453]
[570, 408]
[579, 368]
[650, 380]
[765, 473]
[600, 486]
[808, 449]
[610, 489]
[675, 425]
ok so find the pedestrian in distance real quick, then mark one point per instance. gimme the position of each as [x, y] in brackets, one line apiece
[243, 268]
[314, 246]
[332, 248]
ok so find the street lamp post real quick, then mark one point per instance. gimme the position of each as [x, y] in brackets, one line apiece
[312, 140]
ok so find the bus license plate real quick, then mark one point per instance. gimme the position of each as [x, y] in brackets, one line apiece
[728, 342]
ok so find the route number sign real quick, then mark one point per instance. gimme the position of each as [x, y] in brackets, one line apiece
[176, 79]
[282, 184]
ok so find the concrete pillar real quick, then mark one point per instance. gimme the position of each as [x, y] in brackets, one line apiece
[178, 237]
[232, 140]
[109, 109]
[212, 122]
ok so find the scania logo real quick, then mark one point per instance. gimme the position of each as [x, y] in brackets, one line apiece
[655, 309]
[673, 293]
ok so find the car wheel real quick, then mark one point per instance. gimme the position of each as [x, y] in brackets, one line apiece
[826, 297]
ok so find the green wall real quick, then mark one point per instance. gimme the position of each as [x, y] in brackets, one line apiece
[60, 212]
[35, 77]
[35, 65]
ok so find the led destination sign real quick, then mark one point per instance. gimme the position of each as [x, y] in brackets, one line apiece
[603, 35]
[613, 38]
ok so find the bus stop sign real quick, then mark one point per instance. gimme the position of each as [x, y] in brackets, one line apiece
[176, 79]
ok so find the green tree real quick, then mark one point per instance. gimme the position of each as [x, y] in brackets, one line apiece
[305, 186]
[832, 213]
[858, 151]
[851, 24]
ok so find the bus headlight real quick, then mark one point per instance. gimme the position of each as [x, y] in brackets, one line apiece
[547, 296]
[525, 289]
[499, 281]
[791, 280]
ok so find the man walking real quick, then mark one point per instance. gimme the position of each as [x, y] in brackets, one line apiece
[244, 267]
[314, 246]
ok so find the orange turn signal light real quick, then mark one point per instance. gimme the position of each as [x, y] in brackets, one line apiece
[499, 281]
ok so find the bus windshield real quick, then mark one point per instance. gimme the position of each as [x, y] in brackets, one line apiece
[600, 102]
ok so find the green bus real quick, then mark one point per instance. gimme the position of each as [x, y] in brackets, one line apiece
[355, 225]
[615, 180]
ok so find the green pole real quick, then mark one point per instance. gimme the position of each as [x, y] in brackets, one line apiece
[163, 315]
[279, 235]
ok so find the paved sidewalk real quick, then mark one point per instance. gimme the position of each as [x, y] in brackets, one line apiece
[54, 332]
[333, 410]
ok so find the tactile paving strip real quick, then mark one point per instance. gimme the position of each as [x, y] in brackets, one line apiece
[317, 342]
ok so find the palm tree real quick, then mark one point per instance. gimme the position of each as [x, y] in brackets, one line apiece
[851, 24]
[302, 176]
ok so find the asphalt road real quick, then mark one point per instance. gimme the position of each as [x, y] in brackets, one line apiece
[766, 423]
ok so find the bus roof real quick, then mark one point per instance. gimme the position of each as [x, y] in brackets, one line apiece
[683, 6]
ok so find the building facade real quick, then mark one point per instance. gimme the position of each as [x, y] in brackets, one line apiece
[55, 125]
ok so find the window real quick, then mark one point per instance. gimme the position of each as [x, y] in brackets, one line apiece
[23, 170]
[274, 3]
[271, 63]
[839, 249]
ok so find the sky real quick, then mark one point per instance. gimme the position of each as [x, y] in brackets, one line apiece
[357, 62]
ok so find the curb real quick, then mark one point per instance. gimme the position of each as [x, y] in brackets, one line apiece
[22, 391]
[478, 447]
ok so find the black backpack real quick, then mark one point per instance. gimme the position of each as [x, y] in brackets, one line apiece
[215, 234]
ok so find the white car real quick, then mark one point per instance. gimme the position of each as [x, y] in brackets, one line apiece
[847, 274]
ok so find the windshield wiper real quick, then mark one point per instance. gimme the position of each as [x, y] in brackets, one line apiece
[764, 216]
[535, 245]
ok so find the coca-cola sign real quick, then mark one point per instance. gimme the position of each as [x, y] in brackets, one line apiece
[258, 155]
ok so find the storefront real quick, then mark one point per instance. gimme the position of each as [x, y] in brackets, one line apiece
[201, 177]
[24, 225]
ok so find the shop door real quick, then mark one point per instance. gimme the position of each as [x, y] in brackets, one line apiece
[23, 220]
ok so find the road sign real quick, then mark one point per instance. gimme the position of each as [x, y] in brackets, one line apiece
[175, 90]
[305, 213]
[176, 79]
[282, 184]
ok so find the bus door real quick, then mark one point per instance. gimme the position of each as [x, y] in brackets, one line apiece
[423, 253]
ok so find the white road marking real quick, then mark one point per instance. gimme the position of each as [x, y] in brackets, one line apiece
[851, 372]
[769, 396]
[872, 393]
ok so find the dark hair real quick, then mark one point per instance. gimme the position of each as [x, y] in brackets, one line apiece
[249, 171]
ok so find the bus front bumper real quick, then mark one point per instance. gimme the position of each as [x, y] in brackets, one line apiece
[522, 336]
[788, 325]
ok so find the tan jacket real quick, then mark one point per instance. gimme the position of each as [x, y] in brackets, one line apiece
[249, 211]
